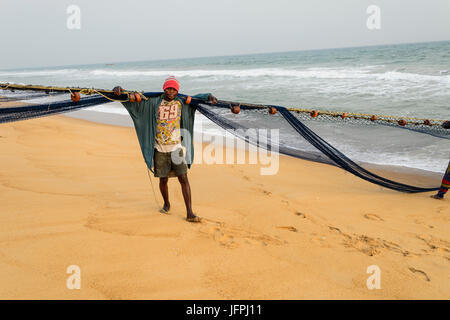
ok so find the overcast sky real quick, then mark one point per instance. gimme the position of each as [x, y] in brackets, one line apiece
[34, 32]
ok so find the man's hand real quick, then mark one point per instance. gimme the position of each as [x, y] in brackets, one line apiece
[212, 99]
[118, 90]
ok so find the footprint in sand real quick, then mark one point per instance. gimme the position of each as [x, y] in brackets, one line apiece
[301, 215]
[267, 193]
[441, 209]
[232, 237]
[224, 239]
[417, 221]
[290, 228]
[436, 245]
[369, 246]
[425, 276]
[372, 216]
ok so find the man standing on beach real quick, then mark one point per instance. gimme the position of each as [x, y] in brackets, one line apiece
[164, 126]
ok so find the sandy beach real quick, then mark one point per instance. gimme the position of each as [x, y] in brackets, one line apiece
[76, 192]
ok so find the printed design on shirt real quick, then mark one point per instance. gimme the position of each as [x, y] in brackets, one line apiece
[168, 112]
[168, 123]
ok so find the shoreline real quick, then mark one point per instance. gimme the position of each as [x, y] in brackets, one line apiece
[423, 178]
[406, 175]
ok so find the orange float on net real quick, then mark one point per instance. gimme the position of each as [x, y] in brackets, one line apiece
[272, 110]
[131, 97]
[402, 122]
[75, 96]
[427, 122]
[314, 113]
[188, 99]
[235, 109]
[137, 97]
[344, 115]
[373, 118]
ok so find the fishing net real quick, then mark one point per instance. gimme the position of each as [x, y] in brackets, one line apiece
[307, 134]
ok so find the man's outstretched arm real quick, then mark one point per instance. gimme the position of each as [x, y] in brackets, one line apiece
[134, 108]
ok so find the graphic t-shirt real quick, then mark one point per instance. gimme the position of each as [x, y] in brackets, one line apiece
[168, 137]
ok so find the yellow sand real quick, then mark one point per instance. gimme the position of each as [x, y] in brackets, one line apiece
[77, 193]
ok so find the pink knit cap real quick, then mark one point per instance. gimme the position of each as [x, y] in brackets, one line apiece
[171, 82]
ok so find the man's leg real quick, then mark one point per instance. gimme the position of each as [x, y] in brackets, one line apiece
[162, 168]
[164, 188]
[186, 189]
[445, 185]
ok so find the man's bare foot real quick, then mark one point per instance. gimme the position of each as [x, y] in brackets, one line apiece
[193, 218]
[165, 209]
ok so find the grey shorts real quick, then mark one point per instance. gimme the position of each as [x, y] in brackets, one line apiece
[165, 166]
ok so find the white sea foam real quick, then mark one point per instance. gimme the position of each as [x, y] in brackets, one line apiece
[359, 73]
[317, 73]
[108, 108]
[412, 77]
[325, 73]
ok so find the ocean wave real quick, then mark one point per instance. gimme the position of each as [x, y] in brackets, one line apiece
[412, 77]
[235, 73]
[363, 73]
[239, 73]
[360, 73]
[108, 109]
